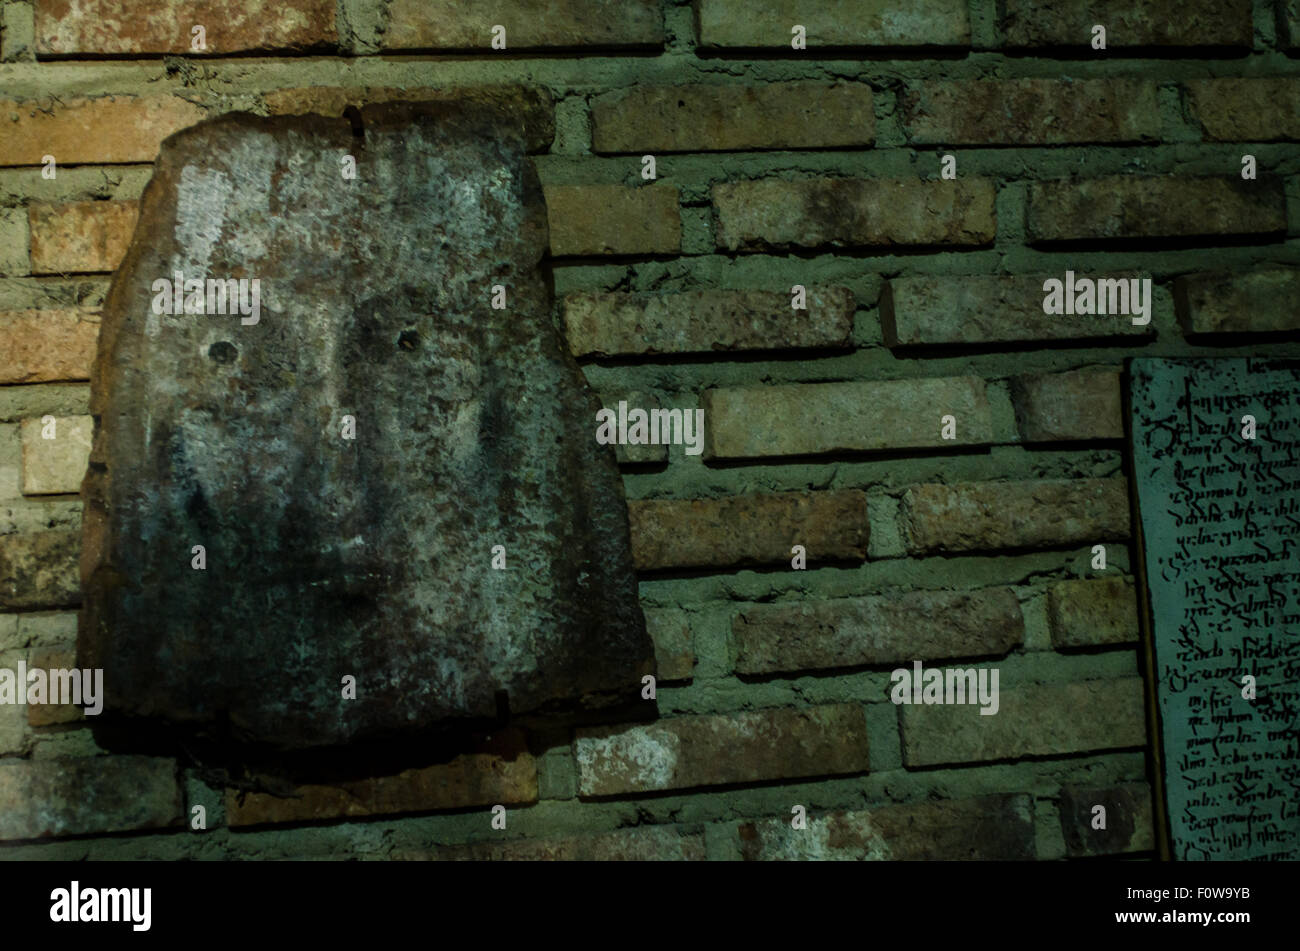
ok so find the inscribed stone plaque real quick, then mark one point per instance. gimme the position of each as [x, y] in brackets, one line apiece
[350, 445]
[1221, 527]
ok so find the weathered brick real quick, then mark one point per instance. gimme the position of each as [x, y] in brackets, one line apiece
[686, 752]
[851, 632]
[87, 796]
[467, 24]
[613, 219]
[1077, 404]
[764, 24]
[748, 529]
[670, 629]
[26, 516]
[46, 628]
[733, 117]
[707, 320]
[40, 570]
[533, 104]
[65, 27]
[1092, 612]
[18, 33]
[1152, 206]
[989, 828]
[15, 737]
[850, 212]
[42, 345]
[502, 771]
[11, 464]
[54, 466]
[639, 844]
[80, 236]
[20, 185]
[810, 418]
[20, 402]
[62, 657]
[1246, 110]
[925, 310]
[1129, 23]
[1128, 820]
[1231, 302]
[1031, 112]
[79, 741]
[1046, 513]
[635, 453]
[111, 129]
[1036, 720]
[15, 237]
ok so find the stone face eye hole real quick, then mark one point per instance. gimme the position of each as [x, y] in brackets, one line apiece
[409, 340]
[223, 352]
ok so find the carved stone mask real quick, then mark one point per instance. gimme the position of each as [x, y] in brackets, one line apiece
[285, 495]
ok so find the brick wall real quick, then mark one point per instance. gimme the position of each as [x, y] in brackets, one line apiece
[775, 166]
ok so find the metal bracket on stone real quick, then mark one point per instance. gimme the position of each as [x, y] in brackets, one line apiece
[300, 470]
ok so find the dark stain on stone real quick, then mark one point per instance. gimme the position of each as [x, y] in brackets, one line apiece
[353, 115]
[1122, 809]
[223, 352]
[832, 206]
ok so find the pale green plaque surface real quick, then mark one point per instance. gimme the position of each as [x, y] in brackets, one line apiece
[1220, 517]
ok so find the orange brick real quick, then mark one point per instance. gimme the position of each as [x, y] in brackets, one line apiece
[40, 346]
[612, 219]
[502, 771]
[50, 713]
[755, 529]
[1039, 513]
[80, 237]
[102, 131]
[164, 26]
[718, 750]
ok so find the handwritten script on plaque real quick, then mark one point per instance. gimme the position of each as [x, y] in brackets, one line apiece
[1220, 516]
